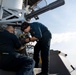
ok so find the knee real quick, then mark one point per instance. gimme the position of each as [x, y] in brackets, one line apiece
[30, 61]
[33, 62]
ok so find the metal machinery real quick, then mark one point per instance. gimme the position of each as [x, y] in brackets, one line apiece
[17, 11]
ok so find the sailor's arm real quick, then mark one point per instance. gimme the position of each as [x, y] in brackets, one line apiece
[32, 39]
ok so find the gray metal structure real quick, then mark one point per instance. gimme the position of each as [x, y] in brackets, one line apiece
[14, 11]
[59, 64]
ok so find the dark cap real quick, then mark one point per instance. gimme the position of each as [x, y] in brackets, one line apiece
[24, 25]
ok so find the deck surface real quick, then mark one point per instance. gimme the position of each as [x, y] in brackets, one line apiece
[36, 70]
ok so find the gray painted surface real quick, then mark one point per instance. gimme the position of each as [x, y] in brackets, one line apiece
[36, 70]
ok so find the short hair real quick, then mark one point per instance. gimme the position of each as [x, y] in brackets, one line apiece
[24, 25]
[9, 26]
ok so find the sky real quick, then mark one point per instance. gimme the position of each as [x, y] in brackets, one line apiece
[62, 24]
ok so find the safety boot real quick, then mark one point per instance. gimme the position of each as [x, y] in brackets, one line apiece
[42, 73]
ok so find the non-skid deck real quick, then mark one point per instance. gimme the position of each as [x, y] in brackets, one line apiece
[36, 70]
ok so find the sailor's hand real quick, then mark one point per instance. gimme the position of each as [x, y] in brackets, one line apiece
[27, 40]
[22, 47]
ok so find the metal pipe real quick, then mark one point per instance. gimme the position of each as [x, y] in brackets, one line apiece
[45, 9]
[1, 11]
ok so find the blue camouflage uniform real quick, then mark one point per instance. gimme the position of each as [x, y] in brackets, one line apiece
[41, 32]
[11, 60]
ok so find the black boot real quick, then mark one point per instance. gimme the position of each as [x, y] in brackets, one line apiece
[42, 73]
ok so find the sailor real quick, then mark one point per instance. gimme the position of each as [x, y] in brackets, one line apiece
[42, 35]
[11, 60]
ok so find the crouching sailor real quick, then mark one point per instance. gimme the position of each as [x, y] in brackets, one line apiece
[11, 60]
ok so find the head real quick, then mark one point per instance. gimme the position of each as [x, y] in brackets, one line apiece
[10, 29]
[25, 27]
